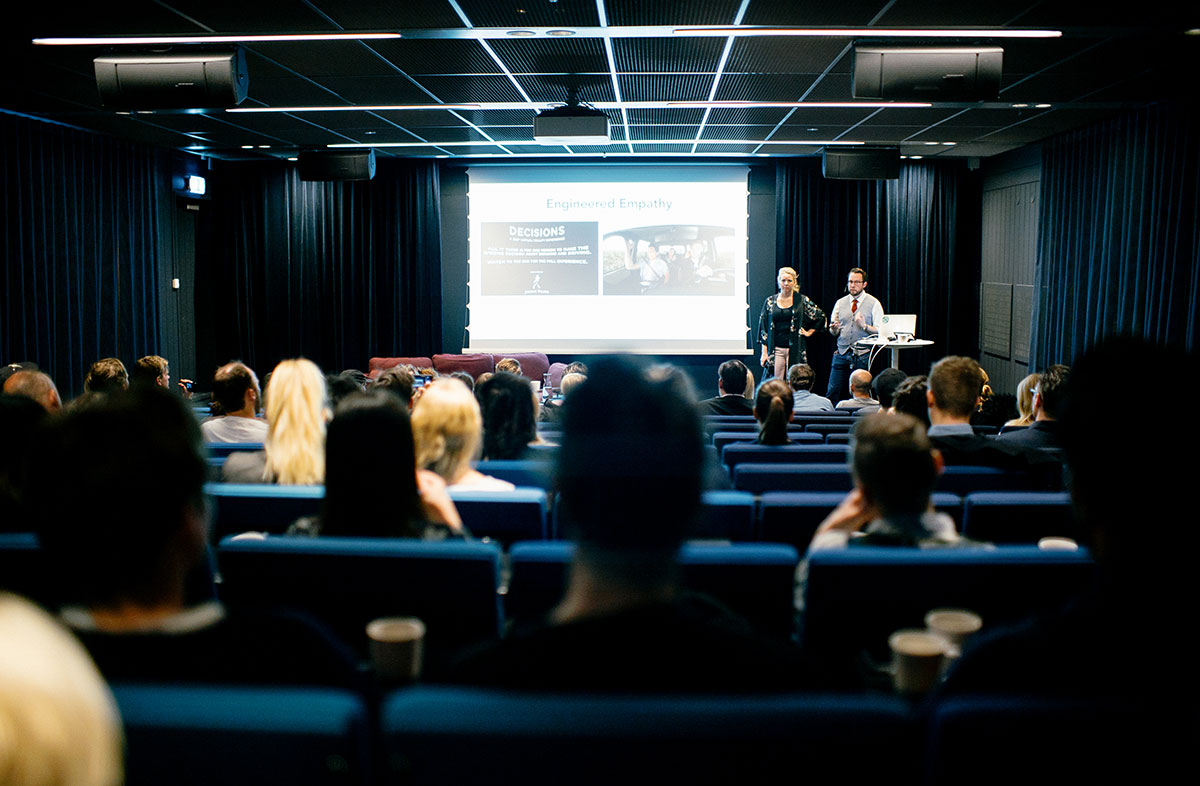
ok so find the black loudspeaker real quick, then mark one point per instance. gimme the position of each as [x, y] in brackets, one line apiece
[337, 165]
[927, 74]
[861, 163]
[172, 81]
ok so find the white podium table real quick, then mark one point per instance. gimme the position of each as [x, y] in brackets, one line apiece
[876, 345]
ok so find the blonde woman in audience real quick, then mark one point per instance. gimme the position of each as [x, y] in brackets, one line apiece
[58, 722]
[297, 412]
[1025, 390]
[447, 431]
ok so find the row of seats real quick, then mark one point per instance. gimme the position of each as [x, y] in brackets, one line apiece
[790, 517]
[446, 735]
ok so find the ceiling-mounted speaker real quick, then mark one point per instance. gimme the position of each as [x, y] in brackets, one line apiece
[337, 165]
[861, 163]
[927, 73]
[172, 81]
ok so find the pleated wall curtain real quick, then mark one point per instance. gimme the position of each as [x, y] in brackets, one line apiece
[80, 229]
[917, 237]
[1119, 234]
[336, 272]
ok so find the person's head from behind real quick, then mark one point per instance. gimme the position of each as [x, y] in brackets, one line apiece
[674, 378]
[58, 722]
[894, 465]
[463, 377]
[955, 388]
[909, 398]
[21, 422]
[773, 410]
[884, 385]
[398, 381]
[511, 365]
[118, 499]
[151, 370]
[342, 386]
[860, 383]
[36, 386]
[235, 389]
[370, 471]
[571, 381]
[1050, 394]
[731, 378]
[296, 414]
[447, 429]
[576, 367]
[107, 375]
[1025, 390]
[509, 415]
[629, 473]
[801, 376]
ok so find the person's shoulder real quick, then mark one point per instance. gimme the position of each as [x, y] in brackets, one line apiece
[244, 466]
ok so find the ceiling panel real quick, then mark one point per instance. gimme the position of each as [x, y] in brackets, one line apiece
[666, 116]
[747, 116]
[762, 55]
[552, 55]
[789, 12]
[530, 13]
[672, 55]
[389, 14]
[437, 56]
[467, 90]
[763, 87]
[670, 12]
[690, 87]
[932, 13]
[556, 88]
[327, 58]
[639, 133]
[391, 89]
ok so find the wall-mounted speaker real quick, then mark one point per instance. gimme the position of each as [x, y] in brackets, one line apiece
[927, 74]
[337, 165]
[861, 163]
[172, 81]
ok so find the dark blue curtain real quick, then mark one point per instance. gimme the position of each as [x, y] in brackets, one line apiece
[1119, 226]
[917, 237]
[337, 272]
[80, 229]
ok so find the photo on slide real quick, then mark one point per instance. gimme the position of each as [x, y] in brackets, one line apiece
[540, 257]
[669, 260]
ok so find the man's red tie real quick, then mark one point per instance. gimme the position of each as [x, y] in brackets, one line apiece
[853, 306]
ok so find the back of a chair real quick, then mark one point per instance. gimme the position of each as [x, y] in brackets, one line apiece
[23, 568]
[725, 515]
[223, 449]
[1018, 516]
[456, 735]
[723, 438]
[793, 516]
[785, 454]
[259, 507]
[831, 427]
[243, 736]
[347, 582]
[755, 580]
[761, 478]
[964, 479]
[535, 472]
[505, 516]
[855, 597]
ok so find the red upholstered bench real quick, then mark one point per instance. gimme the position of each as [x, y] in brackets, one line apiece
[376, 366]
[533, 364]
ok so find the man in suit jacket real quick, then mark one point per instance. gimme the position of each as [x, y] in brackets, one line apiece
[955, 391]
[731, 382]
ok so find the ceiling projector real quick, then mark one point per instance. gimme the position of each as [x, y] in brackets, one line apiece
[573, 124]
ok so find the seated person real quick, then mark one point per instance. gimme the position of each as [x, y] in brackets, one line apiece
[1024, 401]
[36, 386]
[372, 485]
[801, 377]
[629, 476]
[447, 430]
[551, 411]
[294, 449]
[773, 411]
[731, 385]
[860, 393]
[123, 523]
[238, 399]
[398, 381]
[883, 387]
[1048, 397]
[909, 398]
[509, 409]
[955, 392]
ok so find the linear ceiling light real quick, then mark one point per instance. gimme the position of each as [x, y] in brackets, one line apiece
[150, 40]
[535, 106]
[534, 142]
[865, 32]
[364, 108]
[796, 105]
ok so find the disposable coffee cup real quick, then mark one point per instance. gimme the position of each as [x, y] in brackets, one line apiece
[917, 657]
[1057, 544]
[397, 646]
[954, 625]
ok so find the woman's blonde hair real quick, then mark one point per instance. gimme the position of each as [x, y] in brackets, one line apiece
[58, 722]
[296, 415]
[792, 270]
[1025, 390]
[447, 429]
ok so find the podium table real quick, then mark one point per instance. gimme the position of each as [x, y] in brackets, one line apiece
[875, 344]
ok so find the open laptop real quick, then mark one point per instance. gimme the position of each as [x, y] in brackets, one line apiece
[902, 325]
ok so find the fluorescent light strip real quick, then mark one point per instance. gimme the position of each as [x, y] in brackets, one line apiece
[364, 108]
[149, 40]
[531, 106]
[865, 32]
[534, 142]
[793, 104]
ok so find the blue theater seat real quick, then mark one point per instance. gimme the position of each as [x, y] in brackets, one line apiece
[505, 516]
[1018, 516]
[223, 449]
[347, 582]
[243, 736]
[726, 515]
[785, 454]
[829, 427]
[793, 516]
[753, 579]
[722, 438]
[963, 480]
[855, 597]
[259, 507]
[534, 472]
[436, 735]
[22, 568]
[761, 478]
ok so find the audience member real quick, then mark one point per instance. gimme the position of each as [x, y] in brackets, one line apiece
[1048, 398]
[373, 487]
[1025, 401]
[106, 376]
[398, 381]
[629, 479]
[731, 384]
[909, 398]
[151, 370]
[58, 722]
[21, 421]
[993, 410]
[294, 450]
[511, 365]
[509, 410]
[447, 430]
[576, 367]
[36, 386]
[883, 387]
[801, 378]
[955, 391]
[773, 411]
[125, 569]
[465, 378]
[235, 394]
[860, 393]
[12, 368]
[895, 469]
[551, 411]
[342, 386]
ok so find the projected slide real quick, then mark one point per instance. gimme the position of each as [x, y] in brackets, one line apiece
[607, 259]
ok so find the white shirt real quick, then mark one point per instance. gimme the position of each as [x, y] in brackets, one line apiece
[234, 428]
